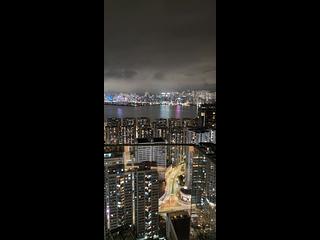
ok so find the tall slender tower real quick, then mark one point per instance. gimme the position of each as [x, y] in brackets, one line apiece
[146, 202]
[118, 194]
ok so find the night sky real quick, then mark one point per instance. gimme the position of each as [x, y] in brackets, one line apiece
[159, 45]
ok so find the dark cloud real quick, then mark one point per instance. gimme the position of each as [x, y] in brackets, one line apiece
[122, 74]
[159, 76]
[160, 44]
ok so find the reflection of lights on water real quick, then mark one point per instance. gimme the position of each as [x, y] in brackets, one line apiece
[178, 111]
[165, 111]
[119, 112]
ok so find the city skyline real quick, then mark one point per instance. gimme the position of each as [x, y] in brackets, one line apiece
[159, 45]
[159, 174]
[160, 119]
[185, 98]
[138, 185]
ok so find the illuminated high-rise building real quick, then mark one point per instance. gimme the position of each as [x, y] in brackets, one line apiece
[146, 202]
[143, 122]
[198, 135]
[199, 171]
[105, 132]
[160, 132]
[211, 182]
[118, 194]
[206, 114]
[188, 123]
[143, 152]
[151, 150]
[189, 162]
[145, 132]
[177, 135]
[203, 193]
[128, 130]
[159, 152]
[160, 122]
[174, 122]
[176, 152]
[213, 135]
[113, 131]
[131, 197]
[160, 128]
[143, 128]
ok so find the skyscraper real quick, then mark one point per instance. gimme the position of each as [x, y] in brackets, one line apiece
[113, 130]
[128, 130]
[160, 132]
[198, 135]
[143, 152]
[118, 194]
[188, 123]
[213, 135]
[144, 129]
[206, 114]
[146, 203]
[161, 122]
[204, 189]
[159, 152]
[177, 135]
[160, 128]
[145, 132]
[174, 122]
[131, 197]
[143, 122]
[199, 168]
[151, 150]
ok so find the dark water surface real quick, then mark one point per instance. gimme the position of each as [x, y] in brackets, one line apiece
[152, 112]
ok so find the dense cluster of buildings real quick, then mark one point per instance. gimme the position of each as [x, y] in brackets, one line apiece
[132, 193]
[131, 198]
[203, 189]
[173, 130]
[194, 97]
[133, 182]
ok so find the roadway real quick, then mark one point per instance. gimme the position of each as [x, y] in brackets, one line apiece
[170, 201]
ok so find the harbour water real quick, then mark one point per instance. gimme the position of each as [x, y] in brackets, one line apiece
[152, 112]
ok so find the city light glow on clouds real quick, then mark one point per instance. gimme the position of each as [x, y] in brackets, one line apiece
[159, 45]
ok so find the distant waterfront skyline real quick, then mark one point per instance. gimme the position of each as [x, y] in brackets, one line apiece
[185, 98]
